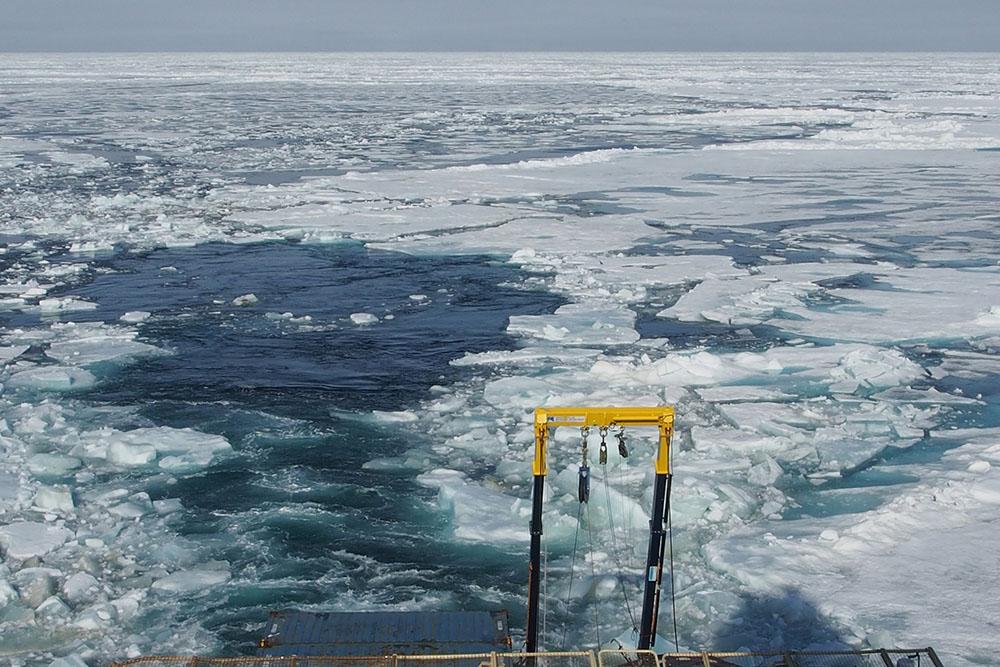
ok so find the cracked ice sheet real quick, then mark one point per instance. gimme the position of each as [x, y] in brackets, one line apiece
[655, 193]
[588, 235]
[623, 278]
[905, 305]
[385, 225]
[742, 297]
[898, 574]
[921, 304]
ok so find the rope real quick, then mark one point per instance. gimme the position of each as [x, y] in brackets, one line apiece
[572, 567]
[545, 584]
[593, 575]
[614, 549]
[673, 597]
[627, 529]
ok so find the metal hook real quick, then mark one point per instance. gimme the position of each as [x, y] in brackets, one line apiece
[622, 449]
[604, 446]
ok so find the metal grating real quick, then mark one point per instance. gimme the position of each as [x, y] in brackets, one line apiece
[385, 633]
[925, 657]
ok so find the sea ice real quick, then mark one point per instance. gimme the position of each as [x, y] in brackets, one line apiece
[126, 454]
[11, 352]
[871, 369]
[87, 351]
[35, 585]
[595, 323]
[484, 515]
[135, 316]
[79, 587]
[53, 610]
[47, 465]
[71, 660]
[27, 539]
[191, 581]
[65, 304]
[52, 378]
[54, 498]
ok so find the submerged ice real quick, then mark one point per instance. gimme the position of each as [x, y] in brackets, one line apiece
[274, 414]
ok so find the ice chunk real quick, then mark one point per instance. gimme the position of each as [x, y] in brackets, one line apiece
[52, 465]
[54, 498]
[690, 368]
[97, 617]
[363, 319]
[11, 352]
[518, 391]
[178, 449]
[485, 515]
[93, 349]
[136, 506]
[870, 369]
[71, 660]
[9, 486]
[26, 539]
[79, 587]
[591, 323]
[167, 506]
[7, 593]
[400, 416]
[35, 584]
[53, 378]
[53, 610]
[245, 300]
[184, 450]
[979, 466]
[79, 162]
[123, 453]
[65, 304]
[135, 316]
[191, 581]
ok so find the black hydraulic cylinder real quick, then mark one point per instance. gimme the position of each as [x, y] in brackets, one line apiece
[663, 550]
[654, 565]
[534, 566]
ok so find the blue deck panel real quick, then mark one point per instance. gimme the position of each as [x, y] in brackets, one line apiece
[385, 633]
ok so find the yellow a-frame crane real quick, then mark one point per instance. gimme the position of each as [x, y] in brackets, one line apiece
[608, 417]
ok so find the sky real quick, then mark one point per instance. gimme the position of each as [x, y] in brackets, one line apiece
[499, 25]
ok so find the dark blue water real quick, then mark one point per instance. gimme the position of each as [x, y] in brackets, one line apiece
[301, 522]
[238, 353]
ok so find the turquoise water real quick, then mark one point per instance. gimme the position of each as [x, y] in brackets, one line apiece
[295, 513]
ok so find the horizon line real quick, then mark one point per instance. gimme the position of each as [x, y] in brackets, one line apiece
[495, 51]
